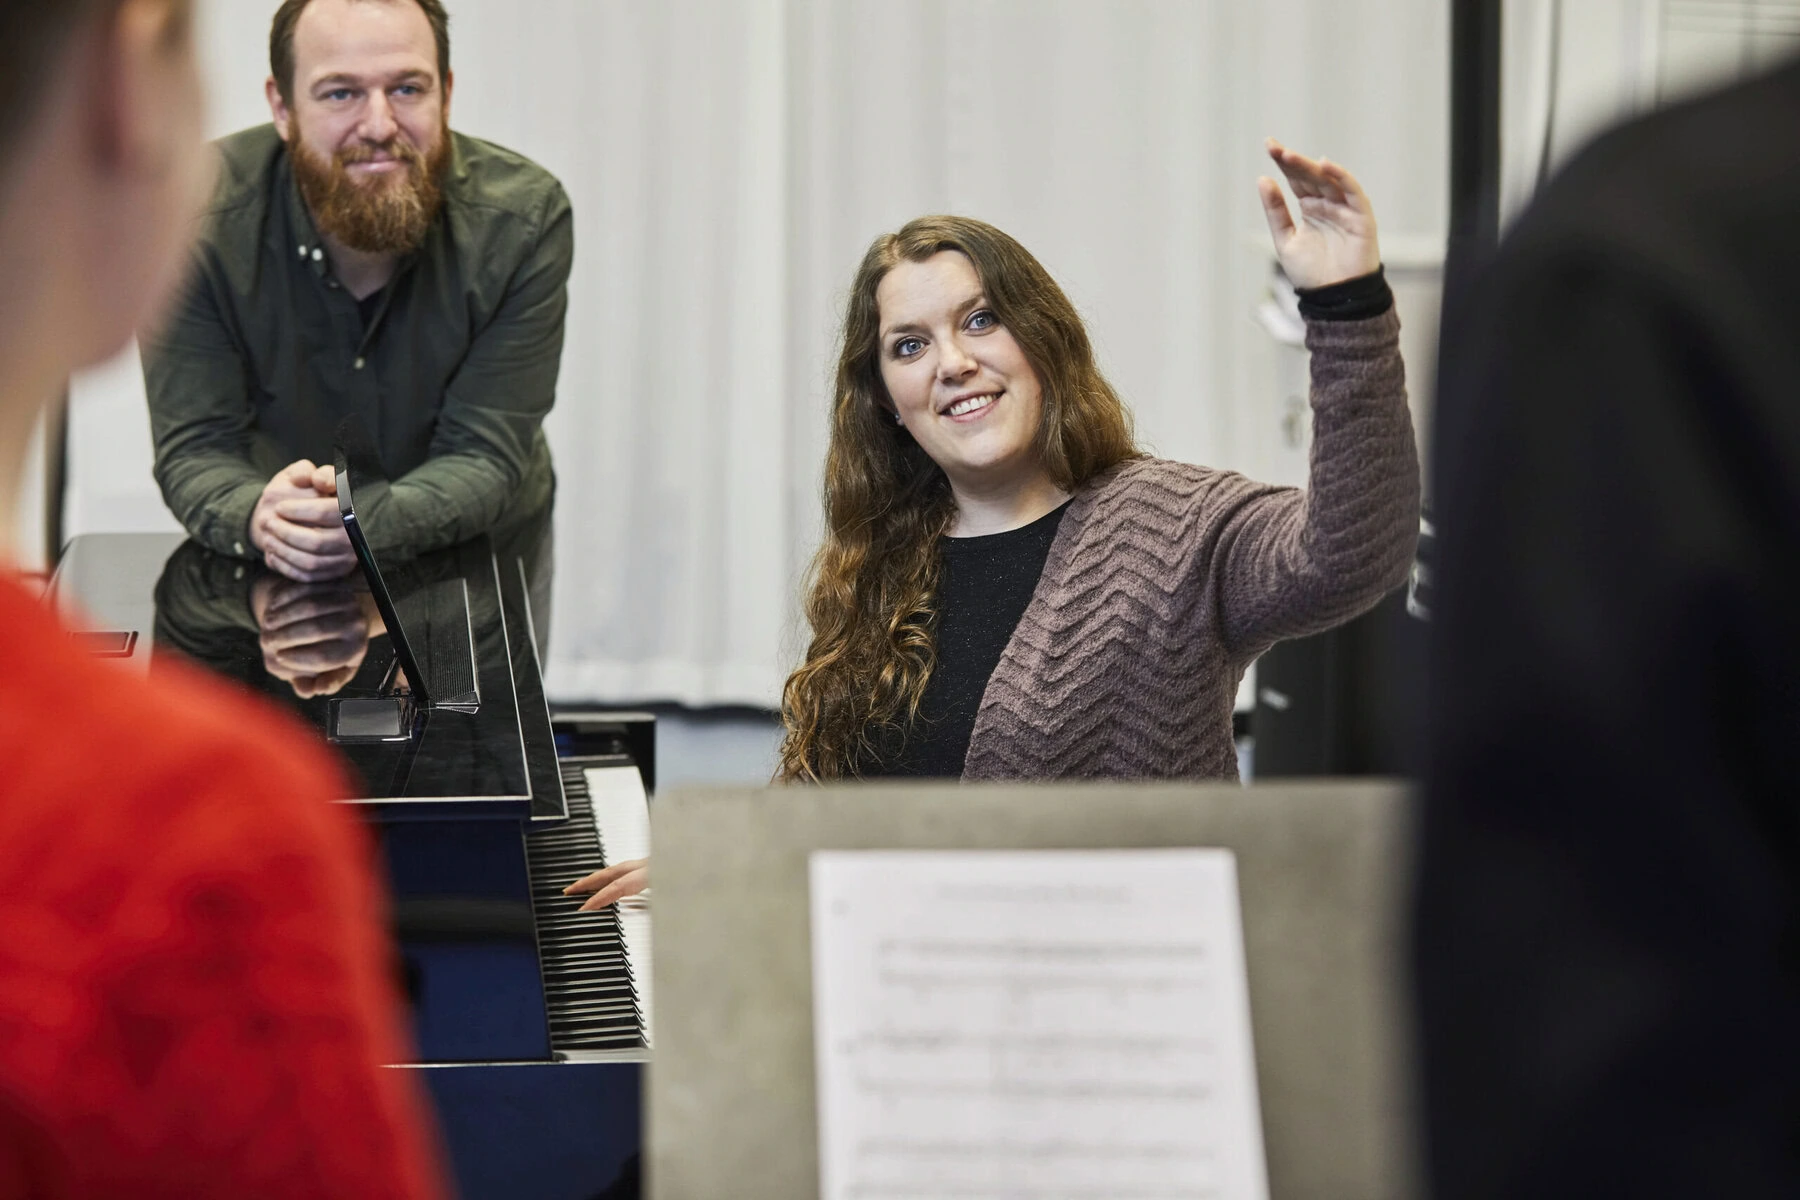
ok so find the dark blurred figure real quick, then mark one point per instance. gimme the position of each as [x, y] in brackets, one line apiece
[1607, 969]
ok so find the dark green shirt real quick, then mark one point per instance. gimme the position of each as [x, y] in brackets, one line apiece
[453, 372]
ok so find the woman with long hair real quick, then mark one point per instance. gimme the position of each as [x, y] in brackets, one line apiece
[1008, 587]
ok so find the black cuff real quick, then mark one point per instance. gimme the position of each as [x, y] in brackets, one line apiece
[1352, 300]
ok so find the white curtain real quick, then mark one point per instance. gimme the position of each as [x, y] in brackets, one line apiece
[1574, 68]
[729, 162]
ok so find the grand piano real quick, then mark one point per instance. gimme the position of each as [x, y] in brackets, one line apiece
[531, 1021]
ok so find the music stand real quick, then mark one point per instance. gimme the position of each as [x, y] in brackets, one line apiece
[392, 717]
[1323, 871]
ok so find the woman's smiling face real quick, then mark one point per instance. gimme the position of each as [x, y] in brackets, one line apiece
[960, 383]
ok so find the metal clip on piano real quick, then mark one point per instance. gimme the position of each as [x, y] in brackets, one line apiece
[531, 1019]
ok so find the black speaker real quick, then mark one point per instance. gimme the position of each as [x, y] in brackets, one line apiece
[1343, 702]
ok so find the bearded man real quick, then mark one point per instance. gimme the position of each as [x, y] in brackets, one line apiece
[360, 258]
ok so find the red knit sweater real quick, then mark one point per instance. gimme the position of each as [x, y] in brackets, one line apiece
[195, 990]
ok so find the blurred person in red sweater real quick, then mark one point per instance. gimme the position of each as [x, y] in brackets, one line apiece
[194, 989]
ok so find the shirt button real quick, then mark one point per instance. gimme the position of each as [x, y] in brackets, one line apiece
[359, 364]
[238, 574]
[318, 255]
[303, 252]
[237, 547]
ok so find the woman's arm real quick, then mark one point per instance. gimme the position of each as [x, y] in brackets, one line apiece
[1296, 562]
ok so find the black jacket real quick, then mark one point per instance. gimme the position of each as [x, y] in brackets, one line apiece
[1607, 969]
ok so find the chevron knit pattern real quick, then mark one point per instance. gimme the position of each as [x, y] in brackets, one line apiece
[1166, 580]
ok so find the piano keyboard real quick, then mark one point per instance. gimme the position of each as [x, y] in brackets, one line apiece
[622, 820]
[596, 965]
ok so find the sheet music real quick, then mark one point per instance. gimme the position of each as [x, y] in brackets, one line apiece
[1033, 1025]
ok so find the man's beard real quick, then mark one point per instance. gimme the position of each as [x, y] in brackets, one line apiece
[382, 214]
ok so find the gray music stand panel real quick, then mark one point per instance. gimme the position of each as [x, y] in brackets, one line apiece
[1323, 875]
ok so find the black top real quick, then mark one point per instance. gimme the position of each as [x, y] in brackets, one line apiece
[986, 584]
[1608, 899]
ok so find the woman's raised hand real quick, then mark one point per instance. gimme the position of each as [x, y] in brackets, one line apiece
[1335, 238]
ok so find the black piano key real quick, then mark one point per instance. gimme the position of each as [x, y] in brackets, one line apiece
[613, 998]
[614, 1031]
[584, 967]
[622, 1025]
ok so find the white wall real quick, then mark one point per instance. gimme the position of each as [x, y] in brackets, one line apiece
[729, 160]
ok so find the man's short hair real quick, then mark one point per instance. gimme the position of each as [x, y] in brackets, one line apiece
[281, 39]
[32, 33]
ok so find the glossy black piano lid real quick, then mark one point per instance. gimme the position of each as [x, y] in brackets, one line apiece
[205, 611]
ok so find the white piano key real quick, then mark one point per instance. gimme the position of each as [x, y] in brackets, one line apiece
[622, 820]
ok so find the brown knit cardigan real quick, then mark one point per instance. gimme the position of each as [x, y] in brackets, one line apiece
[1166, 580]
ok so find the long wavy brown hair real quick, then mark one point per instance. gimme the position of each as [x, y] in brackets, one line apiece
[875, 578]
